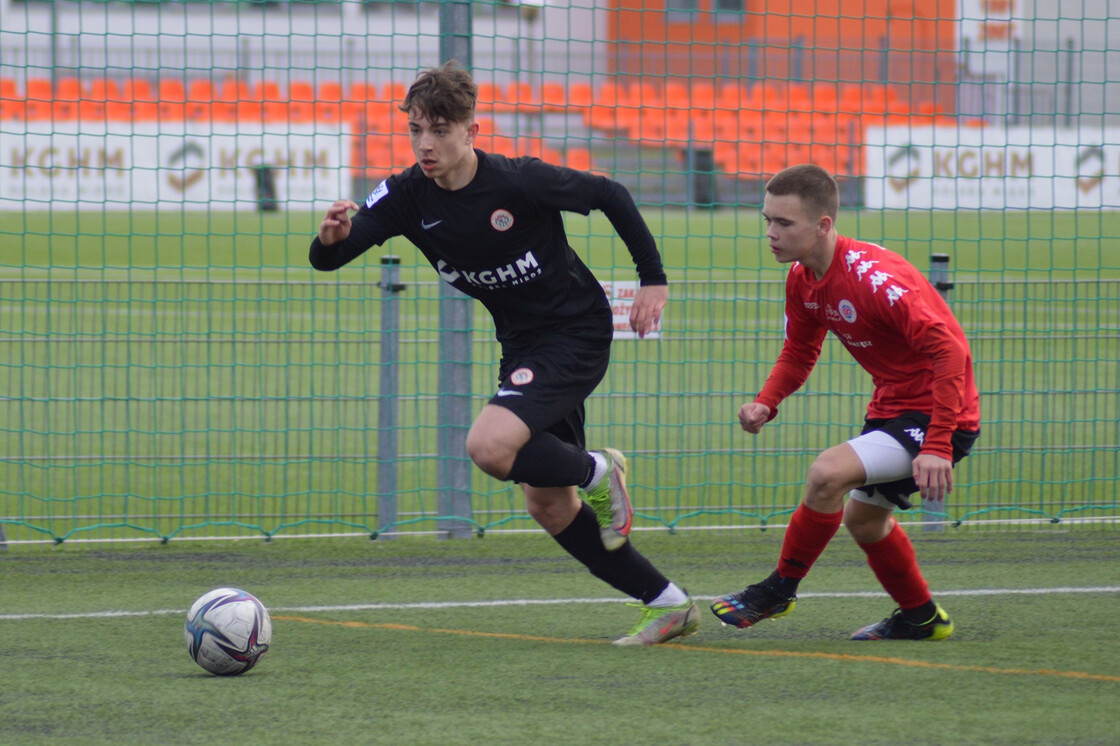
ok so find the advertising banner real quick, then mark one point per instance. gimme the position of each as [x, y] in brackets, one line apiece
[169, 166]
[991, 168]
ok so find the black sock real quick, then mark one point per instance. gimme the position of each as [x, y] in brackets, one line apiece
[547, 461]
[920, 614]
[783, 585]
[624, 568]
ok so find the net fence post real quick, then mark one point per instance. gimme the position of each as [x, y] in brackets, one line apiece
[455, 319]
[387, 396]
[939, 278]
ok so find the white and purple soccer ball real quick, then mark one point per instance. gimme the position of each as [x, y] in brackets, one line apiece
[227, 631]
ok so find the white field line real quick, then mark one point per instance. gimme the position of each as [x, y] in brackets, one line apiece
[427, 605]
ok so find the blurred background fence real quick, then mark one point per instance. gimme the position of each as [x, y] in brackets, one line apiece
[171, 368]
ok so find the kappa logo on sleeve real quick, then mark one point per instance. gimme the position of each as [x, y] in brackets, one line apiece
[381, 190]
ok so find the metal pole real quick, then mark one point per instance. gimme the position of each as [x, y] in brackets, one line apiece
[387, 396]
[939, 278]
[455, 32]
[455, 317]
[1071, 59]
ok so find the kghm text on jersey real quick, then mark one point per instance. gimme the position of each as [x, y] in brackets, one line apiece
[517, 272]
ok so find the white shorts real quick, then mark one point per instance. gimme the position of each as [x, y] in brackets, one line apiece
[884, 460]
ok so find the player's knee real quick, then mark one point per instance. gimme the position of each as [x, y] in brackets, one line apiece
[825, 478]
[488, 456]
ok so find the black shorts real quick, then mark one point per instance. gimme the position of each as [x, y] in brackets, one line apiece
[546, 384]
[909, 429]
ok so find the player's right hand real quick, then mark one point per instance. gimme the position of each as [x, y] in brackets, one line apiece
[336, 224]
[753, 415]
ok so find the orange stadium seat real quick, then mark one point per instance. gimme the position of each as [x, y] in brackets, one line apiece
[93, 107]
[273, 103]
[13, 105]
[580, 96]
[578, 158]
[103, 89]
[769, 96]
[200, 97]
[646, 94]
[401, 150]
[824, 97]
[328, 103]
[394, 92]
[228, 96]
[172, 101]
[601, 117]
[677, 96]
[521, 96]
[500, 144]
[655, 127]
[554, 97]
[799, 129]
[628, 120]
[536, 147]
[608, 94]
[697, 126]
[825, 127]
[363, 92]
[380, 116]
[67, 94]
[488, 97]
[385, 153]
[235, 101]
[375, 158]
[799, 97]
[39, 93]
[731, 97]
[485, 125]
[354, 103]
[301, 102]
[145, 103]
[702, 95]
[733, 126]
[742, 159]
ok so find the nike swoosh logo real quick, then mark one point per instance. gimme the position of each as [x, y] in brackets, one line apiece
[428, 226]
[507, 392]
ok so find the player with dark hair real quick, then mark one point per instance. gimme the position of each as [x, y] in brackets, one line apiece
[492, 227]
[922, 419]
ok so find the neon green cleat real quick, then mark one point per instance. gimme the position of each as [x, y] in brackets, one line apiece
[658, 625]
[611, 502]
[895, 627]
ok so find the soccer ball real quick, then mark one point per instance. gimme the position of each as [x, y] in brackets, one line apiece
[227, 631]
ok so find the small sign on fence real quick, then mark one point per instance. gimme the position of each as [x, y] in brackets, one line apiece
[621, 294]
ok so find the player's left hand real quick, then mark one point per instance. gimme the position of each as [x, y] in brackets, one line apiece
[934, 476]
[645, 314]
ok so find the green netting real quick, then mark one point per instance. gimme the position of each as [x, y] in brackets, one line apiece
[170, 367]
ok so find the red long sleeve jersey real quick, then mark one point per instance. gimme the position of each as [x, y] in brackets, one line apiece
[897, 327]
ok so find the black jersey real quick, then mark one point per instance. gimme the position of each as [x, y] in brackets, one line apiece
[501, 239]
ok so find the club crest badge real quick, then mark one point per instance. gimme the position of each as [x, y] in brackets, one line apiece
[501, 220]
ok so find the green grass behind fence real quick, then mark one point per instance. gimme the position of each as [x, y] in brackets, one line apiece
[170, 375]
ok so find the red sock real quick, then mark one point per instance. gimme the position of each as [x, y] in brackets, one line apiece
[808, 534]
[896, 566]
